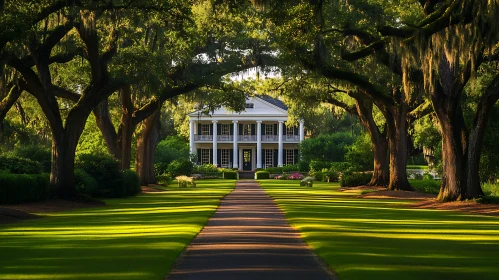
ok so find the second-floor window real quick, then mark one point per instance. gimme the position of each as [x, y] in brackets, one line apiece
[247, 129]
[205, 129]
[225, 129]
[290, 131]
[269, 129]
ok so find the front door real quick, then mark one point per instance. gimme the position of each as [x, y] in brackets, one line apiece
[247, 160]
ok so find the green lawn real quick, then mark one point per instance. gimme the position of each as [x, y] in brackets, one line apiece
[378, 239]
[132, 238]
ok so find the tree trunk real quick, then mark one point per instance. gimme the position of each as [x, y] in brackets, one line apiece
[126, 128]
[105, 124]
[396, 119]
[8, 102]
[381, 170]
[475, 140]
[146, 146]
[381, 173]
[63, 154]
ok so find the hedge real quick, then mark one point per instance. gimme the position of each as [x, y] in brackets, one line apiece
[19, 188]
[262, 175]
[230, 174]
[355, 179]
[19, 165]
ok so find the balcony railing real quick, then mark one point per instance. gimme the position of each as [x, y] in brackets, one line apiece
[248, 138]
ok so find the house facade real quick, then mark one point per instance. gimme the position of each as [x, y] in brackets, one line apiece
[255, 138]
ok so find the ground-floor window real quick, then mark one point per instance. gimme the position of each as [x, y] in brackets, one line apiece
[269, 158]
[205, 156]
[225, 158]
[290, 157]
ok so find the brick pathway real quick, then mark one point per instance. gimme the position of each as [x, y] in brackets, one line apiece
[248, 238]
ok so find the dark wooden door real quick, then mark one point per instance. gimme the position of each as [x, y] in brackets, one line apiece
[247, 160]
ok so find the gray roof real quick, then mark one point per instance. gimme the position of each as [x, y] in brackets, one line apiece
[273, 101]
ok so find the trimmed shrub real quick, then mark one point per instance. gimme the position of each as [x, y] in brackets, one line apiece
[19, 188]
[131, 183]
[295, 176]
[341, 166]
[319, 176]
[19, 165]
[349, 179]
[180, 167]
[307, 181]
[331, 176]
[290, 168]
[303, 166]
[262, 175]
[283, 176]
[85, 184]
[205, 168]
[274, 169]
[39, 154]
[105, 170]
[316, 165]
[230, 174]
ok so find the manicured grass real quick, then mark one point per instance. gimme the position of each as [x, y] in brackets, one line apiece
[132, 238]
[411, 166]
[379, 239]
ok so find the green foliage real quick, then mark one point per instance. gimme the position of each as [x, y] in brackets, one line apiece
[426, 185]
[353, 179]
[230, 174]
[131, 183]
[326, 147]
[319, 165]
[318, 175]
[18, 165]
[168, 150]
[85, 184]
[341, 166]
[290, 168]
[303, 166]
[274, 170]
[360, 153]
[489, 165]
[180, 167]
[105, 170]
[36, 153]
[262, 175]
[205, 168]
[330, 175]
[490, 189]
[20, 188]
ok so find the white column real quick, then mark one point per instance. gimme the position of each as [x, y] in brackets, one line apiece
[258, 144]
[235, 152]
[279, 147]
[302, 131]
[215, 146]
[192, 148]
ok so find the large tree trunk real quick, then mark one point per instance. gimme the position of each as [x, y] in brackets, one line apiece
[396, 119]
[475, 140]
[381, 173]
[146, 146]
[63, 153]
[105, 125]
[126, 128]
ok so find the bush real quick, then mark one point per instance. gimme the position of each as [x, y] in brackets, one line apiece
[274, 169]
[360, 153]
[296, 176]
[262, 175]
[39, 154]
[290, 168]
[319, 165]
[326, 147]
[85, 184]
[331, 175]
[168, 150]
[205, 168]
[303, 166]
[131, 183]
[19, 188]
[426, 186]
[180, 167]
[185, 181]
[341, 166]
[19, 165]
[490, 189]
[349, 179]
[230, 174]
[105, 170]
[308, 181]
[283, 176]
[427, 176]
[319, 176]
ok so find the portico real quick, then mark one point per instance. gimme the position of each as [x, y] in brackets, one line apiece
[255, 138]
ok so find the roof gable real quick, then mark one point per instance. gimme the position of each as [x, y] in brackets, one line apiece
[262, 105]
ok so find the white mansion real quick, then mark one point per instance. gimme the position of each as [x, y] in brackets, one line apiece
[254, 138]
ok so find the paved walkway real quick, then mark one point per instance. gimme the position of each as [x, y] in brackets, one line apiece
[248, 238]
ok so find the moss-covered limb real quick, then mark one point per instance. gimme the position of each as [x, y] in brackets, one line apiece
[363, 52]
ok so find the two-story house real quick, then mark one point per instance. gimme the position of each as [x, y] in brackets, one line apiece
[255, 138]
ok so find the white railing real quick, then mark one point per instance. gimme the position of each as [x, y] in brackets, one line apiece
[203, 137]
[225, 137]
[246, 138]
[270, 138]
[291, 138]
